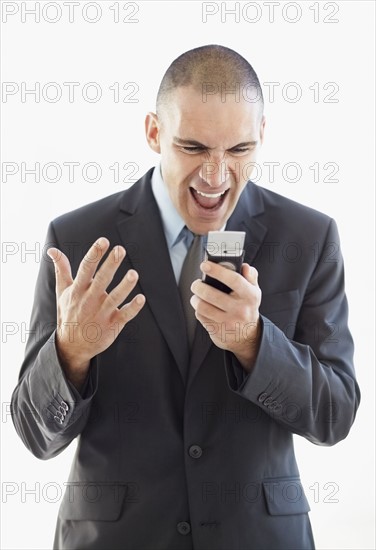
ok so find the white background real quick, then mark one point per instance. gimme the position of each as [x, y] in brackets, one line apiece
[339, 481]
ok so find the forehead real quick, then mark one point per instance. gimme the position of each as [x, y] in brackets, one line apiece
[190, 114]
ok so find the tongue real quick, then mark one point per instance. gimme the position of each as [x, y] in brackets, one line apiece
[207, 202]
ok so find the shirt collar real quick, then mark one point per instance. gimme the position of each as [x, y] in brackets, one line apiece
[172, 222]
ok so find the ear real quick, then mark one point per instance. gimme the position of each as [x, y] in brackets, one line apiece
[262, 129]
[152, 128]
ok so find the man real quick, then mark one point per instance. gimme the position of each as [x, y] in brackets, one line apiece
[189, 446]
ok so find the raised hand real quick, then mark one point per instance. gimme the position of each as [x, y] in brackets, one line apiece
[88, 317]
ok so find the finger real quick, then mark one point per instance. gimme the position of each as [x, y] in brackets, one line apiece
[130, 310]
[122, 290]
[106, 273]
[63, 272]
[207, 310]
[90, 262]
[250, 273]
[212, 295]
[230, 278]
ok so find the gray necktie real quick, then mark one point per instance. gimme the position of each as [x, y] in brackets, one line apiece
[190, 271]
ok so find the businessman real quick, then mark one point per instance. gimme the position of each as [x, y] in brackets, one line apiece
[185, 437]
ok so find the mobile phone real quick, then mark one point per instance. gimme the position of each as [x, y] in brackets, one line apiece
[225, 248]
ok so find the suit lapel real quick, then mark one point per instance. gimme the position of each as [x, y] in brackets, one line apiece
[244, 218]
[141, 231]
[247, 217]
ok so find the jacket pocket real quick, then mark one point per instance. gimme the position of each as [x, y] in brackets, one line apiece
[280, 301]
[93, 501]
[285, 496]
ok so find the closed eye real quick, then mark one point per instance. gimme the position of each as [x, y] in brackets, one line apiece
[193, 149]
[240, 150]
[200, 149]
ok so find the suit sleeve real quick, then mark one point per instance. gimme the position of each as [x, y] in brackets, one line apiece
[307, 382]
[47, 410]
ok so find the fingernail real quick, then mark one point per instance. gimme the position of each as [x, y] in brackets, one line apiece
[118, 252]
[131, 275]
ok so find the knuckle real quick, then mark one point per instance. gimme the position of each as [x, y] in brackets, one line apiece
[100, 278]
[84, 265]
[113, 299]
[95, 253]
[128, 313]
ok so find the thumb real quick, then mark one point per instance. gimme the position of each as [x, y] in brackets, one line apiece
[63, 272]
[250, 273]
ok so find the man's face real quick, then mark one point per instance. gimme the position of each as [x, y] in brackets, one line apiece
[207, 152]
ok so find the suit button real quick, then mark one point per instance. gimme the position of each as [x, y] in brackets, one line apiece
[64, 405]
[58, 419]
[273, 405]
[268, 401]
[262, 397]
[183, 527]
[195, 451]
[60, 415]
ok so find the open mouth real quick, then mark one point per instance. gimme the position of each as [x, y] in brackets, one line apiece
[209, 201]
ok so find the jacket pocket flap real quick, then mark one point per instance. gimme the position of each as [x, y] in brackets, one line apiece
[285, 496]
[279, 301]
[93, 501]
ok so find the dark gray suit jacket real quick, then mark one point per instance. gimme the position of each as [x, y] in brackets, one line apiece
[208, 463]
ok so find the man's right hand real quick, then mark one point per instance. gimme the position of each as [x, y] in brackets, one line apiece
[88, 317]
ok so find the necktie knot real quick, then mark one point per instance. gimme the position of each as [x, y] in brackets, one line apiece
[187, 237]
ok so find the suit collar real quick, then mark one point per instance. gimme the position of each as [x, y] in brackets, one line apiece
[137, 194]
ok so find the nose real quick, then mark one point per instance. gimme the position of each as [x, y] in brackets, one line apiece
[214, 172]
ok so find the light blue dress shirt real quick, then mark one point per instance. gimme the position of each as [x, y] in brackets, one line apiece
[173, 223]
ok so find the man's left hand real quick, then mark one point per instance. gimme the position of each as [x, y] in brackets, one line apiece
[231, 320]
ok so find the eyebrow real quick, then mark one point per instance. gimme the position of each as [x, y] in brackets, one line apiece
[195, 143]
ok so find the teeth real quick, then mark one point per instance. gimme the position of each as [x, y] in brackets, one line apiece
[211, 195]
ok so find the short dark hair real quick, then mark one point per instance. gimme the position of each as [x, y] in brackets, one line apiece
[213, 65]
